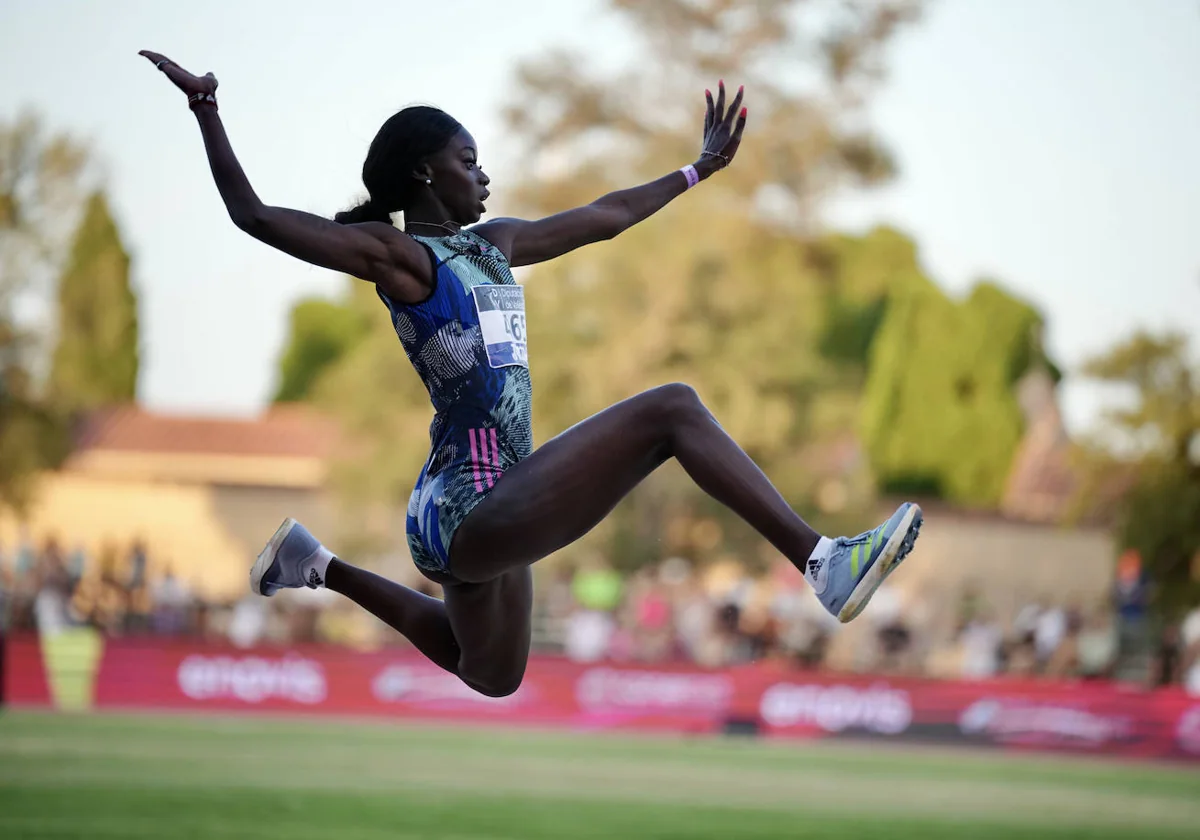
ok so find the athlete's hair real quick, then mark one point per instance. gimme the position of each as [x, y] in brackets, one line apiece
[407, 138]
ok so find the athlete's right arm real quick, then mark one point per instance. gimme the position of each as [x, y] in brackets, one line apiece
[374, 251]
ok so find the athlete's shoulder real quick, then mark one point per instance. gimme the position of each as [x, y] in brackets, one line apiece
[499, 232]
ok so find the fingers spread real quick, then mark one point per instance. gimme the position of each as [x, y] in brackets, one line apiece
[737, 102]
[740, 125]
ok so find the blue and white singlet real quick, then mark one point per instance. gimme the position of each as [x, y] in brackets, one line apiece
[467, 343]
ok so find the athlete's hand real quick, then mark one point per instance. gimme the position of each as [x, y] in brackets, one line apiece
[181, 78]
[722, 133]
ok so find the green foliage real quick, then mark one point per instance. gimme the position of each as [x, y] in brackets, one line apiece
[809, 69]
[728, 289]
[1160, 519]
[721, 290]
[320, 333]
[1165, 417]
[802, 345]
[32, 435]
[940, 414]
[95, 362]
[1160, 426]
[42, 177]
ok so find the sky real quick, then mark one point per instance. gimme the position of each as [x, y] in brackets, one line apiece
[1050, 144]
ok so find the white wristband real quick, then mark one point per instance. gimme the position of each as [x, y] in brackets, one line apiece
[693, 178]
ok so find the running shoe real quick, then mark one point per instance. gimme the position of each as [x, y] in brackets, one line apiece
[289, 561]
[845, 579]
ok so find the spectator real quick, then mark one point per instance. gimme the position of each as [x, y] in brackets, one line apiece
[588, 635]
[597, 591]
[651, 618]
[136, 567]
[695, 625]
[892, 635]
[970, 604]
[77, 563]
[248, 623]
[1131, 598]
[1168, 658]
[1189, 641]
[980, 641]
[597, 587]
[24, 581]
[5, 591]
[54, 589]
[1064, 660]
[1049, 633]
[172, 602]
[1025, 622]
[1097, 646]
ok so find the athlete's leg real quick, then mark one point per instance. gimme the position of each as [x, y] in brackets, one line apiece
[492, 622]
[567, 486]
[480, 633]
[420, 619]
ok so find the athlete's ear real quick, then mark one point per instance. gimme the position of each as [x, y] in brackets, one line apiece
[423, 173]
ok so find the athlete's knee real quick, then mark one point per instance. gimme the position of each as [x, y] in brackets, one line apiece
[679, 402]
[494, 685]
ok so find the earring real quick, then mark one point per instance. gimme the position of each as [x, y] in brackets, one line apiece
[428, 180]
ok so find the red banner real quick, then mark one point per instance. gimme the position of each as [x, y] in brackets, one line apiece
[1081, 717]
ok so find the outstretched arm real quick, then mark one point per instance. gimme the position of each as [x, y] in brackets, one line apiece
[374, 252]
[528, 242]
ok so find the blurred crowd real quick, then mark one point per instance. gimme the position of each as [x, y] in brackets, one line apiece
[668, 612]
[49, 587]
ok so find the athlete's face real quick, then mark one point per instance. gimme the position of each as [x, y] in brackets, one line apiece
[458, 182]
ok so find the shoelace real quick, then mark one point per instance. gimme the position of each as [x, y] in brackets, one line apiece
[861, 538]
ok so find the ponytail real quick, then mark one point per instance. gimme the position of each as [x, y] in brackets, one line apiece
[368, 211]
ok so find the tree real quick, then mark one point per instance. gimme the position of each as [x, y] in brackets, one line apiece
[1157, 433]
[734, 289]
[95, 362]
[320, 333]
[735, 306]
[32, 434]
[42, 181]
[940, 411]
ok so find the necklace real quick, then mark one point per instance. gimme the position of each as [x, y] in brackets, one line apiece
[442, 225]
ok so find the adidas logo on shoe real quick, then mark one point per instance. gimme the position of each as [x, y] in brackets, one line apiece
[817, 573]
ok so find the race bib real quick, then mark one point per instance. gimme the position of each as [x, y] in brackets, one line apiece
[502, 322]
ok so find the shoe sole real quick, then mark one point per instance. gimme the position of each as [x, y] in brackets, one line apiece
[267, 556]
[893, 554]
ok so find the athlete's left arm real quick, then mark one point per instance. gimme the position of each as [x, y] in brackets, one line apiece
[528, 242]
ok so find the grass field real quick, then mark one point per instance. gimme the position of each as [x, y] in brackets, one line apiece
[177, 777]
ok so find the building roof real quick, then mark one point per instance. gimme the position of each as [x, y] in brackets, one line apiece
[285, 432]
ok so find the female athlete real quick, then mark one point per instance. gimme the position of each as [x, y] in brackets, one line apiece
[486, 506]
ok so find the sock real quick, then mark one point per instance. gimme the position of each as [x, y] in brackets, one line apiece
[816, 570]
[314, 566]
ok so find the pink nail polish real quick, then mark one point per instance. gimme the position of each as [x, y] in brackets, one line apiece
[743, 113]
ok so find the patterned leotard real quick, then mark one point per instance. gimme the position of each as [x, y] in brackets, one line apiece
[467, 343]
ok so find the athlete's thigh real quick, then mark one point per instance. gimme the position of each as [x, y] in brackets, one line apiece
[492, 625]
[568, 485]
